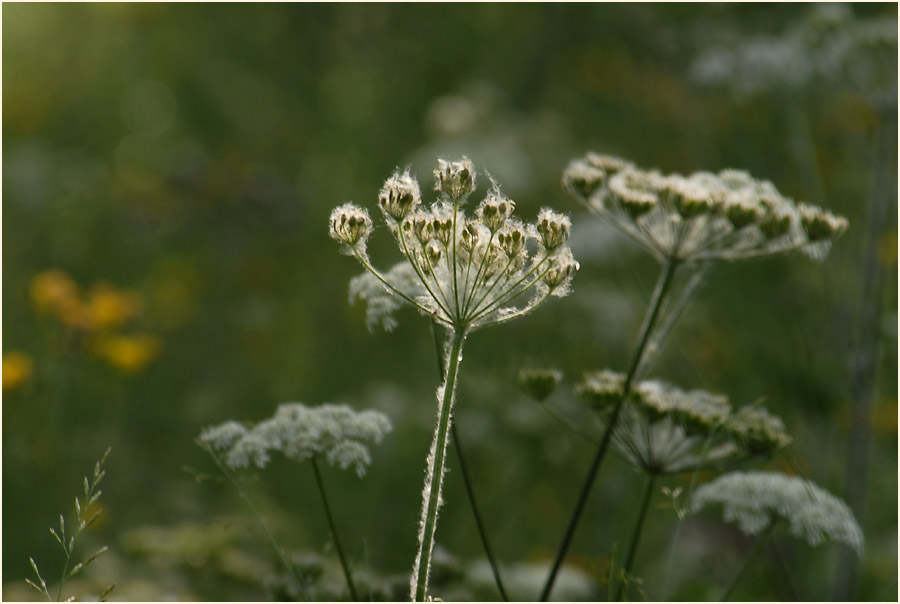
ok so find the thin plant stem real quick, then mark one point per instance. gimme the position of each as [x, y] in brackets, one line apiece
[334, 534]
[636, 535]
[659, 294]
[470, 492]
[482, 531]
[434, 477]
[246, 498]
[756, 546]
[62, 580]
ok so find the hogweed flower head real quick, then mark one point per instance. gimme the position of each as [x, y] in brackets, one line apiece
[351, 226]
[335, 432]
[757, 431]
[456, 179]
[666, 430]
[399, 196]
[464, 271]
[754, 499]
[704, 216]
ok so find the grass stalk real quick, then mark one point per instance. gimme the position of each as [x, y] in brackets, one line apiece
[287, 564]
[636, 535]
[756, 547]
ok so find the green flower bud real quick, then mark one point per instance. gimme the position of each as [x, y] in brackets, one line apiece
[539, 383]
[819, 224]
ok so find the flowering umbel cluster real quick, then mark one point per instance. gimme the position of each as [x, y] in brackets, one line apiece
[704, 216]
[666, 430]
[335, 432]
[754, 499]
[464, 271]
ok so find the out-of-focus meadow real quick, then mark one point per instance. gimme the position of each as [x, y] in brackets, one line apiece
[168, 173]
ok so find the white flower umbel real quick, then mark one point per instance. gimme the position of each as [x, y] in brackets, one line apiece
[753, 500]
[701, 217]
[335, 432]
[465, 272]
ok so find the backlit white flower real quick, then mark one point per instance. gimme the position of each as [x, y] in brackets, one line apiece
[705, 216]
[336, 432]
[754, 499]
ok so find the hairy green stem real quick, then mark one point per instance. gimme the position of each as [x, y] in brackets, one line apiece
[636, 535]
[470, 492]
[434, 477]
[756, 546]
[659, 294]
[334, 535]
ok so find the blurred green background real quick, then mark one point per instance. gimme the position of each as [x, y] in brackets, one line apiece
[174, 166]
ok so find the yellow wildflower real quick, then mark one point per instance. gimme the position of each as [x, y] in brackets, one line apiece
[129, 353]
[17, 369]
[109, 307]
[51, 288]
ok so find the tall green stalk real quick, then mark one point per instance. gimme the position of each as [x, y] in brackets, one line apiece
[334, 535]
[636, 535]
[470, 492]
[756, 546]
[662, 286]
[434, 478]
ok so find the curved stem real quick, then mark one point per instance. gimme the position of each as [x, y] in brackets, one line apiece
[470, 492]
[334, 535]
[659, 294]
[759, 542]
[636, 535]
[434, 477]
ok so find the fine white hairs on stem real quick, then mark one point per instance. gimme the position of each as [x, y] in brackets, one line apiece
[701, 217]
[336, 432]
[754, 499]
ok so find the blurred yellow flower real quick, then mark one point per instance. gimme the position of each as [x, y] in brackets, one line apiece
[109, 307]
[105, 307]
[129, 353]
[51, 288]
[17, 368]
